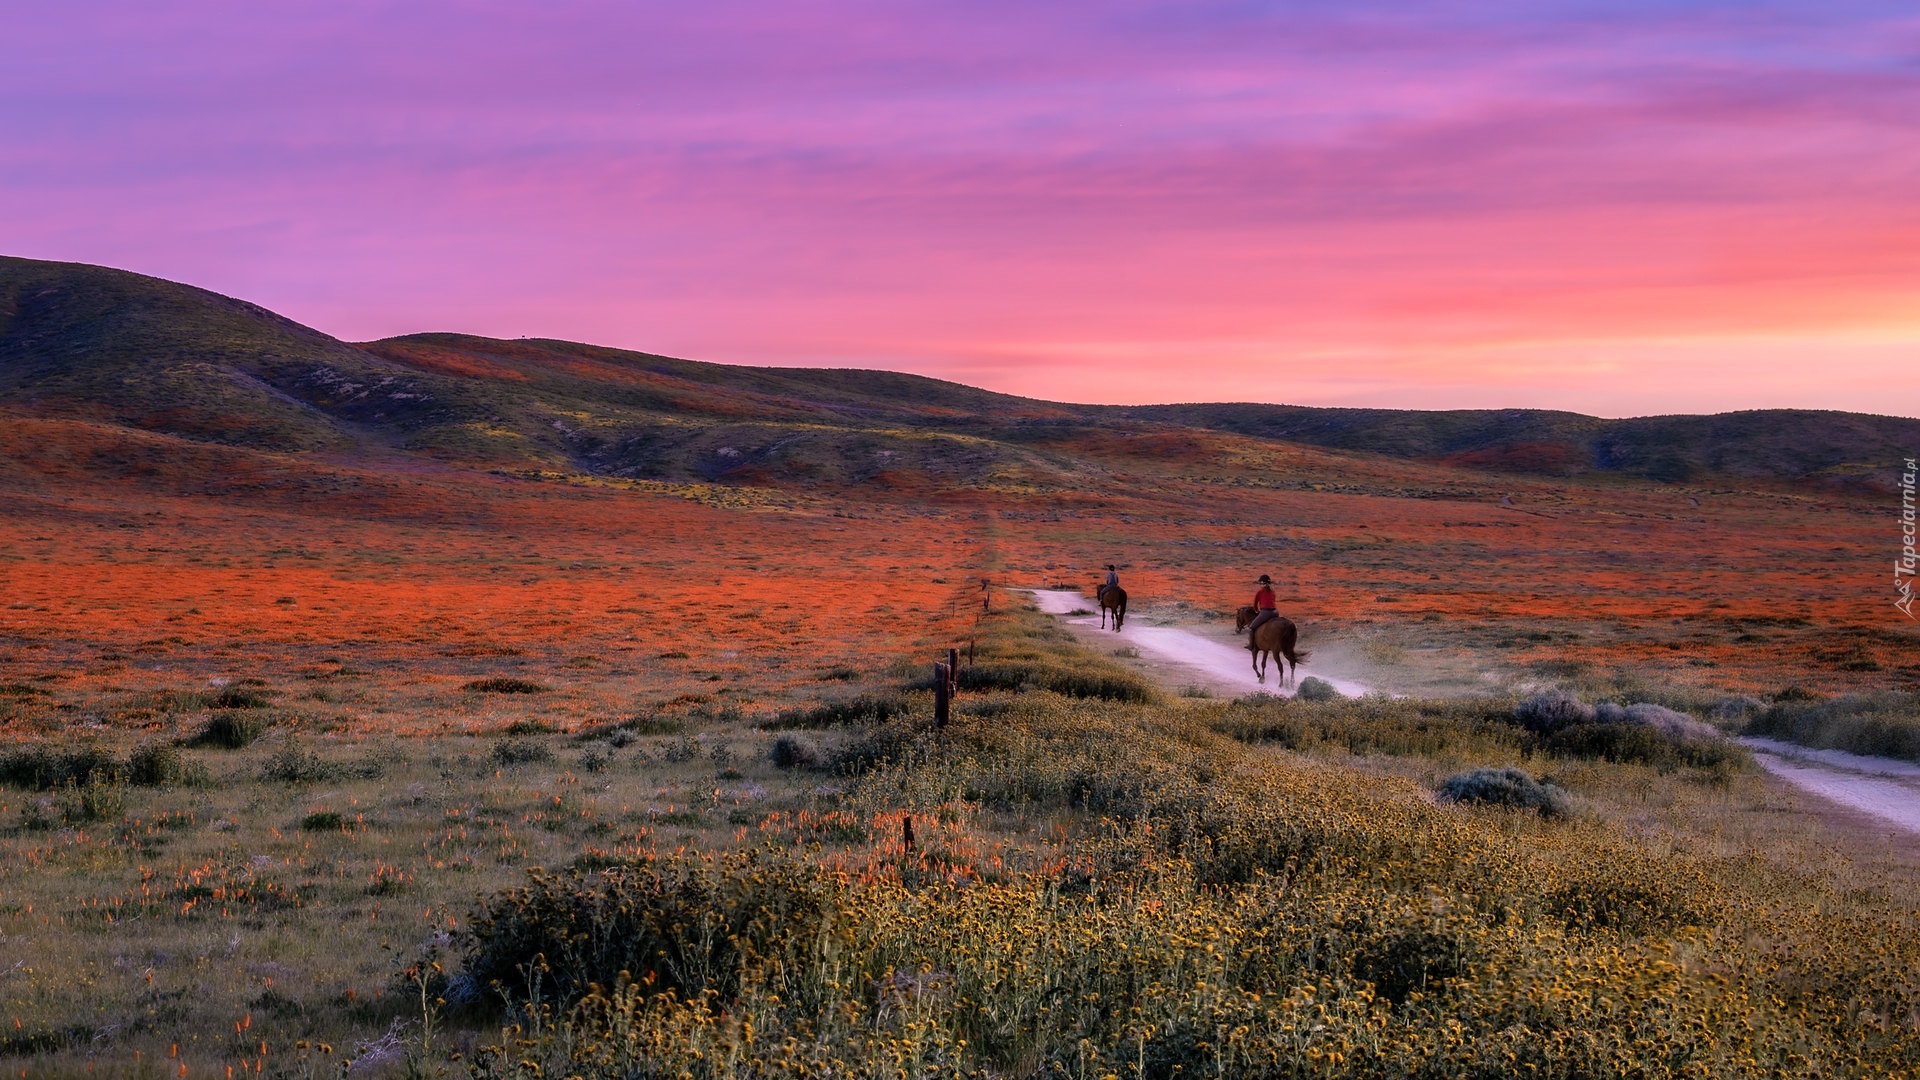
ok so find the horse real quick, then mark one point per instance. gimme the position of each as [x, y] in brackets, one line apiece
[1273, 640]
[1112, 598]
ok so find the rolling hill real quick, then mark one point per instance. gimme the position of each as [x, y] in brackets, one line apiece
[102, 345]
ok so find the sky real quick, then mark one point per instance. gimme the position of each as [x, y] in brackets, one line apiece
[1618, 208]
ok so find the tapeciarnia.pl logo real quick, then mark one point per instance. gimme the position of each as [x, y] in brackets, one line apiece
[1903, 567]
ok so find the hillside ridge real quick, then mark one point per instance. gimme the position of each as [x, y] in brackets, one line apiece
[101, 344]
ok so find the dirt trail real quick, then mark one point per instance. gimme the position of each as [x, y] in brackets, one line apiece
[1216, 660]
[1883, 788]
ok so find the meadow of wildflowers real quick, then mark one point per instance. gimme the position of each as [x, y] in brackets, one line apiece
[1101, 881]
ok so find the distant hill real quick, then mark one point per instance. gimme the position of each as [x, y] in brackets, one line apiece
[106, 345]
[1775, 444]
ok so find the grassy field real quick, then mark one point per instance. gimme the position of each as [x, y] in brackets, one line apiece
[1102, 881]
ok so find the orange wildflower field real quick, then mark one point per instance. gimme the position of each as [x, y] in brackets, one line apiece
[136, 565]
[318, 763]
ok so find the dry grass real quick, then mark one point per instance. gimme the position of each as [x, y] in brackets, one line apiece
[321, 802]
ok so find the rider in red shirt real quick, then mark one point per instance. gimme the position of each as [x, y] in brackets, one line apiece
[1264, 608]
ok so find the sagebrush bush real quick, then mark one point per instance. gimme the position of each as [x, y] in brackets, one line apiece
[1672, 724]
[1314, 689]
[1546, 713]
[1505, 787]
[1884, 724]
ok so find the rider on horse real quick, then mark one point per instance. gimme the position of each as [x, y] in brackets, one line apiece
[1113, 578]
[1264, 609]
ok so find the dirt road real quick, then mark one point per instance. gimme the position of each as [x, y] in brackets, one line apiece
[1217, 661]
[1883, 788]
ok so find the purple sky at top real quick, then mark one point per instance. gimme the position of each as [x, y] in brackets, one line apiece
[1615, 208]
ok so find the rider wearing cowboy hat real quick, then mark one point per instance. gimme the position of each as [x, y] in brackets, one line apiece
[1113, 577]
[1264, 609]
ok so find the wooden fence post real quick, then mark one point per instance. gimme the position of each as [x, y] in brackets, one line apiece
[986, 595]
[942, 695]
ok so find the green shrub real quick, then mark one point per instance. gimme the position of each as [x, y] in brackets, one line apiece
[160, 765]
[872, 707]
[101, 798]
[1505, 787]
[686, 924]
[41, 768]
[1106, 681]
[323, 821]
[621, 733]
[506, 684]
[238, 696]
[512, 751]
[791, 753]
[230, 730]
[293, 765]
[1884, 724]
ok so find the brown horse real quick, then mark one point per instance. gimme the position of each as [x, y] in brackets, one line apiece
[1274, 640]
[1112, 598]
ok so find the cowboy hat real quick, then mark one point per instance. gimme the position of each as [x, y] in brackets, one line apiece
[1265, 580]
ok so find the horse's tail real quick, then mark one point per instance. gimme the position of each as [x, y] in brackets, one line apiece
[1289, 635]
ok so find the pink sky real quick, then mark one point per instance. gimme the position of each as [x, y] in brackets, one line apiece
[1619, 209]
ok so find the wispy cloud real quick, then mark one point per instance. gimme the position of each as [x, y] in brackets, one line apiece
[1148, 201]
